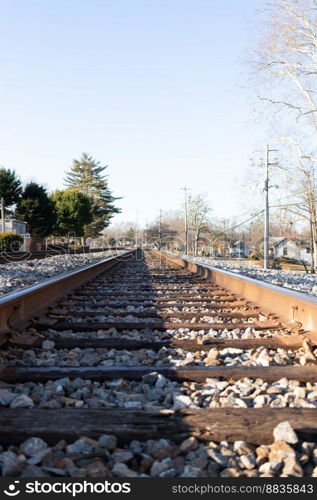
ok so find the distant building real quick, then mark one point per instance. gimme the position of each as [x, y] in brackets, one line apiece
[239, 249]
[292, 249]
[13, 226]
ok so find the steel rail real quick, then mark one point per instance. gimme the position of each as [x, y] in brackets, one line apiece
[295, 309]
[17, 308]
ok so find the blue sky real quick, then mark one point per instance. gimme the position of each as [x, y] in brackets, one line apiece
[153, 88]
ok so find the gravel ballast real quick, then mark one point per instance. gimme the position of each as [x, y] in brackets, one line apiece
[18, 275]
[293, 280]
[158, 392]
[86, 457]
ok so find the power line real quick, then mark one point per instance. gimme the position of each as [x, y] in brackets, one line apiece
[241, 224]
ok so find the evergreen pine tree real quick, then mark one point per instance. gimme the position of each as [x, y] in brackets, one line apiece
[73, 212]
[37, 210]
[86, 176]
[10, 186]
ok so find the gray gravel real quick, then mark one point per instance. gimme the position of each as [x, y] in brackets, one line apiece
[157, 392]
[85, 457]
[166, 356]
[179, 334]
[18, 275]
[294, 280]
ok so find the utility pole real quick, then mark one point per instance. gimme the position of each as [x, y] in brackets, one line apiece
[136, 229]
[224, 241]
[3, 215]
[266, 260]
[145, 233]
[185, 189]
[312, 221]
[266, 248]
[160, 229]
[312, 214]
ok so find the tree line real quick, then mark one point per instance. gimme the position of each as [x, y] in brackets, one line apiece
[168, 229]
[83, 208]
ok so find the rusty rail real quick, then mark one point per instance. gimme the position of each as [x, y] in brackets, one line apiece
[295, 309]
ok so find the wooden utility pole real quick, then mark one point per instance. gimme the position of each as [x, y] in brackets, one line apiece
[266, 258]
[3, 215]
[266, 247]
[136, 229]
[185, 189]
[160, 229]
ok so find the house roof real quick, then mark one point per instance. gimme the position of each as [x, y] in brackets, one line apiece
[297, 241]
[275, 240]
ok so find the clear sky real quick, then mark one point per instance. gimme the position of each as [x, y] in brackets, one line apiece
[150, 87]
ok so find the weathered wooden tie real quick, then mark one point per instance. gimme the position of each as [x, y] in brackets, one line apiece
[287, 342]
[253, 425]
[158, 325]
[190, 373]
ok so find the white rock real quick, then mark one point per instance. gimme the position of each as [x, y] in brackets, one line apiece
[160, 466]
[32, 446]
[189, 444]
[190, 471]
[270, 468]
[181, 401]
[22, 401]
[284, 432]
[260, 400]
[6, 397]
[108, 441]
[248, 461]
[122, 470]
[47, 345]
[161, 381]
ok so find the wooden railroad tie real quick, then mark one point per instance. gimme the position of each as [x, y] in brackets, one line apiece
[271, 373]
[253, 425]
[157, 325]
[291, 342]
[60, 312]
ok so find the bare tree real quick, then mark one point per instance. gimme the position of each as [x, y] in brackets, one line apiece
[159, 234]
[286, 58]
[300, 182]
[175, 220]
[198, 221]
[285, 64]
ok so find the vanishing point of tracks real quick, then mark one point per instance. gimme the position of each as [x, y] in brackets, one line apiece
[148, 350]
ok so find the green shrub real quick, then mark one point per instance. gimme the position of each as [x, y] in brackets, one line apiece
[10, 242]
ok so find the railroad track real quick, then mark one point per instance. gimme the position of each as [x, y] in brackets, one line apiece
[157, 349]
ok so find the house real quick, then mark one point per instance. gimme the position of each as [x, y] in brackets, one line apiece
[13, 226]
[295, 249]
[239, 249]
[305, 252]
[274, 241]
